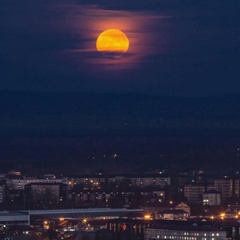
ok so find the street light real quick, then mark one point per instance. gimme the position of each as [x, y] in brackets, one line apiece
[222, 215]
[147, 217]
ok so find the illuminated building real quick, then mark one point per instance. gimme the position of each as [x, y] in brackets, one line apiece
[193, 192]
[52, 192]
[211, 198]
[172, 214]
[190, 230]
[224, 186]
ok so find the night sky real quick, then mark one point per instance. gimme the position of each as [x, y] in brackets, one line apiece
[173, 95]
[177, 47]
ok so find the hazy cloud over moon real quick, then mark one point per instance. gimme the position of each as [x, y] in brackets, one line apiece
[88, 21]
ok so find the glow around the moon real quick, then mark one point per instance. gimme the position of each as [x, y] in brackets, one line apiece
[112, 43]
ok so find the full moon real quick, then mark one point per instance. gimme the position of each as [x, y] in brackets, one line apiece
[112, 43]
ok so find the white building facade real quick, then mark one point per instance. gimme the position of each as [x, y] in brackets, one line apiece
[181, 234]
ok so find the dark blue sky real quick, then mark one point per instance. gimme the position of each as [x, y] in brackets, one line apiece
[177, 47]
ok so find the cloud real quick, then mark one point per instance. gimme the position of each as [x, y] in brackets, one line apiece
[88, 21]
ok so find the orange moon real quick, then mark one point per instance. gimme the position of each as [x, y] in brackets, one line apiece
[112, 43]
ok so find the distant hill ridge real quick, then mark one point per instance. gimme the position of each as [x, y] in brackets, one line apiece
[144, 129]
[117, 114]
[226, 107]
